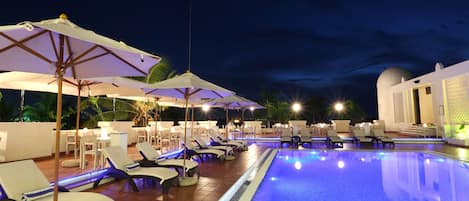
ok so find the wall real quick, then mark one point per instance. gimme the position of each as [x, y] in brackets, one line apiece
[25, 140]
[426, 106]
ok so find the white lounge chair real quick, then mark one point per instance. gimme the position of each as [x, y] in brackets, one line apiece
[229, 154]
[333, 140]
[378, 133]
[22, 178]
[124, 167]
[285, 135]
[305, 135]
[153, 159]
[218, 142]
[193, 151]
[360, 137]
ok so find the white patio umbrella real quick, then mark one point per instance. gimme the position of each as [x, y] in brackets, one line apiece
[234, 102]
[80, 88]
[190, 88]
[62, 48]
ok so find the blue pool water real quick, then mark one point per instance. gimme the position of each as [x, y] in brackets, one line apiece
[366, 176]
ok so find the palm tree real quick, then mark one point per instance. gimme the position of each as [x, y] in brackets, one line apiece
[45, 110]
[7, 113]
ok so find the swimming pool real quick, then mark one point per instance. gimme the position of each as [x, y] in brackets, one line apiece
[360, 175]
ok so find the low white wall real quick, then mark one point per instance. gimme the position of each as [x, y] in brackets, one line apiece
[25, 140]
[256, 124]
[121, 126]
[341, 125]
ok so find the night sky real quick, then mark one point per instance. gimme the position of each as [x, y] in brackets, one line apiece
[335, 49]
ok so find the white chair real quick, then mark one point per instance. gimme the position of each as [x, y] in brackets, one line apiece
[69, 142]
[360, 137]
[124, 167]
[285, 135]
[151, 158]
[20, 178]
[89, 146]
[305, 135]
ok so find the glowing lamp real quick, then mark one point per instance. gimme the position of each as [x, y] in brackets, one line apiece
[339, 106]
[296, 107]
[104, 133]
[205, 108]
[251, 108]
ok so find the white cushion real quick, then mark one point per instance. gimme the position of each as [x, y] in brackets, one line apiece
[37, 194]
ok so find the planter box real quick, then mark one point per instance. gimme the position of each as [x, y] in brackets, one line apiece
[458, 142]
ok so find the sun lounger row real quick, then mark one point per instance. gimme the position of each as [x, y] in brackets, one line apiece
[333, 140]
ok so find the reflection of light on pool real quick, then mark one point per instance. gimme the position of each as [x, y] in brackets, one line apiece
[286, 158]
[462, 153]
[298, 165]
[341, 164]
[307, 170]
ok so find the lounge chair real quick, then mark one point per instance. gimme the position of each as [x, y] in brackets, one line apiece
[22, 180]
[217, 142]
[378, 133]
[305, 135]
[360, 137]
[333, 140]
[124, 167]
[224, 139]
[285, 135]
[151, 158]
[192, 151]
[229, 154]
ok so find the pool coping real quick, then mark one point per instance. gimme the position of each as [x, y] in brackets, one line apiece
[243, 188]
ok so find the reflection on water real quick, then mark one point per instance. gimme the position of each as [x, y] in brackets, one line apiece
[386, 176]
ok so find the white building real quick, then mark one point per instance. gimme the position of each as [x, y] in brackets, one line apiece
[439, 99]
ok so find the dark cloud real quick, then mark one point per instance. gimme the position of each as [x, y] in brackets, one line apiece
[331, 48]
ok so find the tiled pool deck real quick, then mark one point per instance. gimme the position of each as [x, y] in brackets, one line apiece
[218, 176]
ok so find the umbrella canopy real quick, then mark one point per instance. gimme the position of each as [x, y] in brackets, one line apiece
[189, 87]
[90, 87]
[234, 102]
[60, 47]
[231, 102]
[39, 46]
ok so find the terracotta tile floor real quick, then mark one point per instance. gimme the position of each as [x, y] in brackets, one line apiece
[218, 176]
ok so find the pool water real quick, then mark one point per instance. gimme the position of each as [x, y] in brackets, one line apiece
[367, 176]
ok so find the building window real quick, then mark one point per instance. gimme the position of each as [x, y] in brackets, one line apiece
[428, 90]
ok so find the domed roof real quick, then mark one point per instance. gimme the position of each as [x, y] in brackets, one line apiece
[392, 76]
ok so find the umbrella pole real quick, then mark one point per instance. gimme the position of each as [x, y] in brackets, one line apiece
[192, 121]
[77, 120]
[156, 123]
[22, 105]
[242, 120]
[58, 118]
[113, 108]
[185, 136]
[226, 122]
